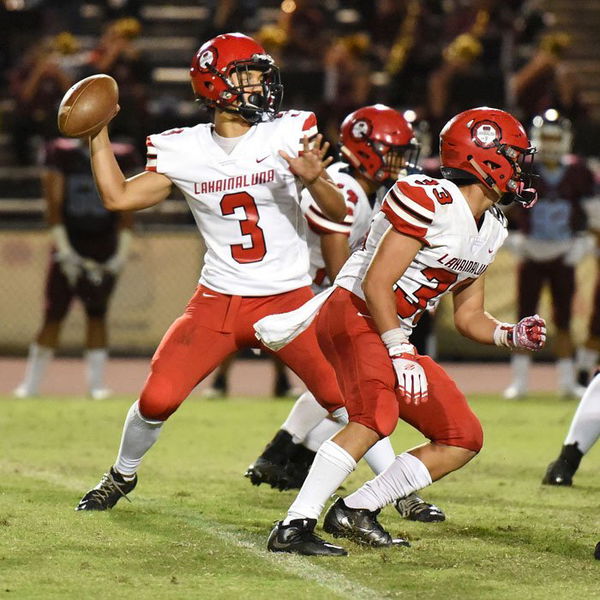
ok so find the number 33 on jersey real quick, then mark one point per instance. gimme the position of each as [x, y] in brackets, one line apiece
[246, 204]
[455, 247]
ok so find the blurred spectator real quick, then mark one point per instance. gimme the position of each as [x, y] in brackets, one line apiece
[551, 243]
[347, 84]
[117, 55]
[468, 73]
[90, 248]
[546, 81]
[231, 15]
[38, 84]
[304, 23]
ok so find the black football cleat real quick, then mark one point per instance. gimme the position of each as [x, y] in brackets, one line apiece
[414, 508]
[266, 471]
[298, 466]
[559, 472]
[271, 466]
[299, 537]
[359, 525]
[108, 492]
[597, 551]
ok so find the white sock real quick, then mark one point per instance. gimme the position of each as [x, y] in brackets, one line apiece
[566, 374]
[38, 359]
[405, 475]
[96, 364]
[304, 416]
[585, 426]
[138, 437]
[520, 370]
[380, 456]
[323, 431]
[331, 466]
[587, 358]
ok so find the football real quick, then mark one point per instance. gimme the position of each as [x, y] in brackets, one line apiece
[88, 106]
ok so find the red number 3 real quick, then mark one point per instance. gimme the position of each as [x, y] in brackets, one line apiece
[248, 226]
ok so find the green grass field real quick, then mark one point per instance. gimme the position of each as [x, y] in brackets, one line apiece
[197, 529]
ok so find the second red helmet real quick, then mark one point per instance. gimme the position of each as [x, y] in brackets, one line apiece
[379, 142]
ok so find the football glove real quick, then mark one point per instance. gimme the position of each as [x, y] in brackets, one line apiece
[412, 381]
[528, 334]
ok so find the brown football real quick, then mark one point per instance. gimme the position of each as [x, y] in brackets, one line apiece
[88, 106]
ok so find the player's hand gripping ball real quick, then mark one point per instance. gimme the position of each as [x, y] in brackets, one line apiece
[88, 106]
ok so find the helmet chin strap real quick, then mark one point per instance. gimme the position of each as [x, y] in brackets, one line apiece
[488, 179]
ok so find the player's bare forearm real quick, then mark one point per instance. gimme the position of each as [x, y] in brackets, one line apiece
[117, 192]
[329, 198]
[470, 318]
[335, 250]
[392, 257]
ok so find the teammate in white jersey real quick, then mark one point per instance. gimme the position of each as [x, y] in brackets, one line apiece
[242, 176]
[378, 145]
[432, 237]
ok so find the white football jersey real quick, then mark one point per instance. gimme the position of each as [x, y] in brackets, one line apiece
[246, 204]
[355, 225]
[455, 249]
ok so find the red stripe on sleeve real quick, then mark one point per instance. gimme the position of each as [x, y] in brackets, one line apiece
[416, 194]
[402, 226]
[311, 121]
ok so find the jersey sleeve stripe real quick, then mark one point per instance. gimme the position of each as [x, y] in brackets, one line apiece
[418, 196]
[405, 227]
[321, 224]
[313, 207]
[310, 122]
[407, 206]
[149, 142]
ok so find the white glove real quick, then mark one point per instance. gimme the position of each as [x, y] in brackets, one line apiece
[528, 334]
[412, 381]
[114, 265]
[582, 245]
[515, 243]
[69, 261]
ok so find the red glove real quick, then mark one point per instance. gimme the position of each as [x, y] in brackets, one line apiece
[528, 334]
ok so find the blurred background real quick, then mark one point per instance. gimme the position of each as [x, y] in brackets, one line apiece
[431, 58]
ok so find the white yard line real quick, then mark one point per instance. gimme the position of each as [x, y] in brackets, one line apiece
[290, 563]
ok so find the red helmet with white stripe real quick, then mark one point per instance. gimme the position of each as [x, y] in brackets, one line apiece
[379, 142]
[489, 145]
[220, 74]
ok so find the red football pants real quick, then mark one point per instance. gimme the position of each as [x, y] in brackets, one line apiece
[216, 325]
[368, 381]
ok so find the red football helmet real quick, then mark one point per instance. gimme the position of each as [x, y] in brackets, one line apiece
[379, 142]
[489, 145]
[224, 55]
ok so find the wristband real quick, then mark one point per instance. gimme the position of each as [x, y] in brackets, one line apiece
[396, 342]
[503, 335]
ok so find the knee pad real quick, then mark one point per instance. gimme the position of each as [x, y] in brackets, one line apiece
[157, 401]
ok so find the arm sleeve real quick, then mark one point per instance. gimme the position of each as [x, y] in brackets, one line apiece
[410, 210]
